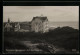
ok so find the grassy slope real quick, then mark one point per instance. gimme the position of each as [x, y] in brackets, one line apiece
[65, 37]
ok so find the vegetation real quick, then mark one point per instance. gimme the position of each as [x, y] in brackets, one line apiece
[65, 37]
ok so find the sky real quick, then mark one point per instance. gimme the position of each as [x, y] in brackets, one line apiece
[53, 13]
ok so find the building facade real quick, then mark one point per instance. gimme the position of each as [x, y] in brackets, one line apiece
[39, 24]
[17, 27]
[8, 26]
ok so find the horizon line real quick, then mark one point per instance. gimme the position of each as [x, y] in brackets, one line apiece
[49, 21]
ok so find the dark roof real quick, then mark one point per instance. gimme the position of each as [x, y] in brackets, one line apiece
[41, 18]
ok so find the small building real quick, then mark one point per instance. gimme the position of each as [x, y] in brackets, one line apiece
[17, 26]
[25, 26]
[11, 26]
[39, 24]
[8, 26]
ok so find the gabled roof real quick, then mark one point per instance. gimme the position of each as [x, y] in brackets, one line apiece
[41, 18]
[12, 24]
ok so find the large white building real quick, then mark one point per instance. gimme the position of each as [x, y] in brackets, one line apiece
[39, 24]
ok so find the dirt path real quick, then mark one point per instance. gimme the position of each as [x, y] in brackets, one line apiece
[33, 46]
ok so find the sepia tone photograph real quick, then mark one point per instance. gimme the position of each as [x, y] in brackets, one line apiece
[41, 29]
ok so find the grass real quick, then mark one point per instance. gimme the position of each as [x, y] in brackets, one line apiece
[65, 37]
